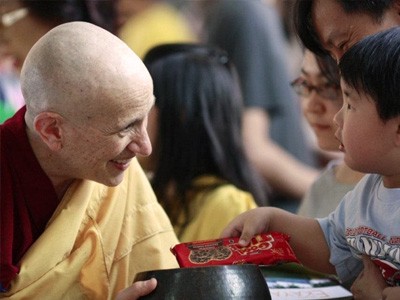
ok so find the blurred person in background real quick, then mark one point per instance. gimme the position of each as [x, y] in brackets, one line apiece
[318, 86]
[294, 47]
[30, 20]
[10, 91]
[23, 22]
[273, 131]
[200, 173]
[143, 24]
[333, 26]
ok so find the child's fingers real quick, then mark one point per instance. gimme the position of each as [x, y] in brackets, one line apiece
[245, 238]
[368, 264]
[230, 231]
[247, 225]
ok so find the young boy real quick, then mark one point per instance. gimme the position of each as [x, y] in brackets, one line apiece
[367, 221]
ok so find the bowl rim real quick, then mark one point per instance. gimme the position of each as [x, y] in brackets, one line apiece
[242, 267]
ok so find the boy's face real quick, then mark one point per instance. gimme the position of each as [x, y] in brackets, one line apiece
[367, 142]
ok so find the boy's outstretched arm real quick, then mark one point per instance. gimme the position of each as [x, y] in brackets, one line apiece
[306, 236]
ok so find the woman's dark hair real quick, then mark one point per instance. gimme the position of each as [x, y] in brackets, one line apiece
[372, 66]
[305, 30]
[329, 68]
[56, 12]
[199, 130]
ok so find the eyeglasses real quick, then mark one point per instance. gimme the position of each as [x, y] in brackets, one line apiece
[10, 18]
[328, 91]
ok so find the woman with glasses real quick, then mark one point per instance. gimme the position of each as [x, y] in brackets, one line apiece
[321, 98]
[200, 173]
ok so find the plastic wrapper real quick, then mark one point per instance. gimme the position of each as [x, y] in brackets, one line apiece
[264, 249]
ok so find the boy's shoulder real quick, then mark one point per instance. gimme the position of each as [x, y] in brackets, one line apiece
[370, 189]
[368, 183]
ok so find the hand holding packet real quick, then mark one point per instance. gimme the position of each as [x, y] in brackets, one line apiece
[264, 249]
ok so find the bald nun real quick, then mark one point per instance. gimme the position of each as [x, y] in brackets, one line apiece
[78, 217]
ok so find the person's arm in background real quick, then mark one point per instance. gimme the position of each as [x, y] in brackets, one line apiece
[273, 132]
[281, 170]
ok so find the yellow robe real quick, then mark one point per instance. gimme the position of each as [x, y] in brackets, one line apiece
[161, 23]
[97, 240]
[212, 210]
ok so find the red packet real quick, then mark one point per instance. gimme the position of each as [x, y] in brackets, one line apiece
[264, 249]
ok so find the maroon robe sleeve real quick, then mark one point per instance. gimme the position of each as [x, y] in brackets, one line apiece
[28, 198]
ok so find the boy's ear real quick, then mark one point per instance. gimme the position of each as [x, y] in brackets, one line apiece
[48, 126]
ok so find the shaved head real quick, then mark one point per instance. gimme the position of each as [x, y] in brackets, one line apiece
[87, 97]
[78, 70]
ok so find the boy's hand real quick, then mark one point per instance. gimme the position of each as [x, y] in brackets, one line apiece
[369, 283]
[137, 290]
[248, 224]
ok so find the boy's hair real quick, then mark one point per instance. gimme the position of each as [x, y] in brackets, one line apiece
[372, 66]
[304, 28]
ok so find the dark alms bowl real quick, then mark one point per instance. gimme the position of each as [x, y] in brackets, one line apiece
[211, 282]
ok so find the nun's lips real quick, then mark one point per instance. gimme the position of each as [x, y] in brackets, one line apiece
[121, 164]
